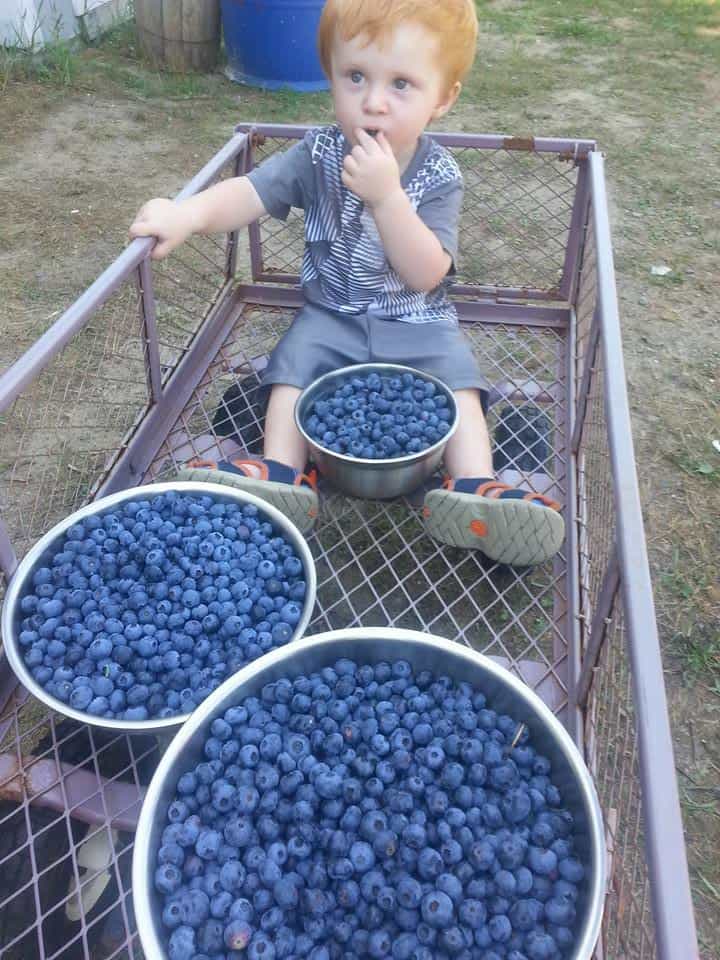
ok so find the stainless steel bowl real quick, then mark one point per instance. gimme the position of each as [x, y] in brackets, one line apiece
[504, 692]
[372, 479]
[45, 548]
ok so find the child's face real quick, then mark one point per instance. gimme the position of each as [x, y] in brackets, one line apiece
[397, 87]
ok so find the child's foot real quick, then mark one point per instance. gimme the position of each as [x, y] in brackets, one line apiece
[507, 525]
[293, 493]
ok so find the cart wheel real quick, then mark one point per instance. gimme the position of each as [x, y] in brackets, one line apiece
[522, 439]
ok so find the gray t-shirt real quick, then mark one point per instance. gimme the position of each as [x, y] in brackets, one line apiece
[344, 265]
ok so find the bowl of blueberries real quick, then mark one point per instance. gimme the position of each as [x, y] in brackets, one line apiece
[370, 793]
[377, 430]
[131, 611]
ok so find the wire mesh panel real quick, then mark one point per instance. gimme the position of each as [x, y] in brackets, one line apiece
[628, 928]
[62, 434]
[514, 226]
[69, 795]
[610, 724]
[610, 732]
[69, 798]
[186, 285]
[62, 431]
[516, 217]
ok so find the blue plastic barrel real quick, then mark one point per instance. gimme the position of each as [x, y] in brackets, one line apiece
[273, 43]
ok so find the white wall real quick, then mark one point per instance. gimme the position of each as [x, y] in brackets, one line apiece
[26, 22]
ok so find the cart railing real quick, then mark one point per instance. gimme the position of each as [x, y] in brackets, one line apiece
[110, 386]
[620, 686]
[521, 221]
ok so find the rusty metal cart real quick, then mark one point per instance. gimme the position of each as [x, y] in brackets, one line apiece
[126, 386]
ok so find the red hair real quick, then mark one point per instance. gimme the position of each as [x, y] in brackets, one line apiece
[453, 22]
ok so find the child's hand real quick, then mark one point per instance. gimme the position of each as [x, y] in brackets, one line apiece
[166, 220]
[370, 170]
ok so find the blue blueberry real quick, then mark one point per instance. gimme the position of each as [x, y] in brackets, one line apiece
[571, 870]
[540, 946]
[167, 878]
[181, 945]
[437, 909]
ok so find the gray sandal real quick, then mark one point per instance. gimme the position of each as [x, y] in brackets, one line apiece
[293, 493]
[507, 525]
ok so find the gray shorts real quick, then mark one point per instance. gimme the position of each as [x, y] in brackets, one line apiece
[319, 341]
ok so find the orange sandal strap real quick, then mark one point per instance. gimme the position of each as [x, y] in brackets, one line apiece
[309, 479]
[553, 504]
[492, 488]
[258, 469]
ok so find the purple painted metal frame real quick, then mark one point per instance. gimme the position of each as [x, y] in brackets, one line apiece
[627, 567]
[665, 843]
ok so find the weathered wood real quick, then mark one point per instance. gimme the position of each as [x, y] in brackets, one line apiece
[179, 35]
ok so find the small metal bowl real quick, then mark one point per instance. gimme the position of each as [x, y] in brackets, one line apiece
[372, 479]
[505, 693]
[45, 548]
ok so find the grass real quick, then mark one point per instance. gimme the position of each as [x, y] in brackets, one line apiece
[531, 54]
[115, 63]
[694, 467]
[700, 801]
[57, 65]
[674, 23]
[687, 604]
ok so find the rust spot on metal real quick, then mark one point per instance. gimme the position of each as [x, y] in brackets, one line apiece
[519, 143]
[27, 781]
[574, 156]
[12, 780]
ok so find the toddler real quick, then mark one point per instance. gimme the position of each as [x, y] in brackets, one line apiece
[382, 202]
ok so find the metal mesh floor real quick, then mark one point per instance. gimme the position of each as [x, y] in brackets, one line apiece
[376, 565]
[65, 873]
[65, 783]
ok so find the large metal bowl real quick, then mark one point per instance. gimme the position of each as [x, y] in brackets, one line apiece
[504, 692]
[46, 547]
[372, 479]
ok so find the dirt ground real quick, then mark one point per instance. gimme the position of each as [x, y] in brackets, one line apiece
[77, 160]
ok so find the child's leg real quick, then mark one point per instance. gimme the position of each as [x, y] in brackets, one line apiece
[276, 477]
[467, 453]
[283, 440]
[316, 341]
[473, 510]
